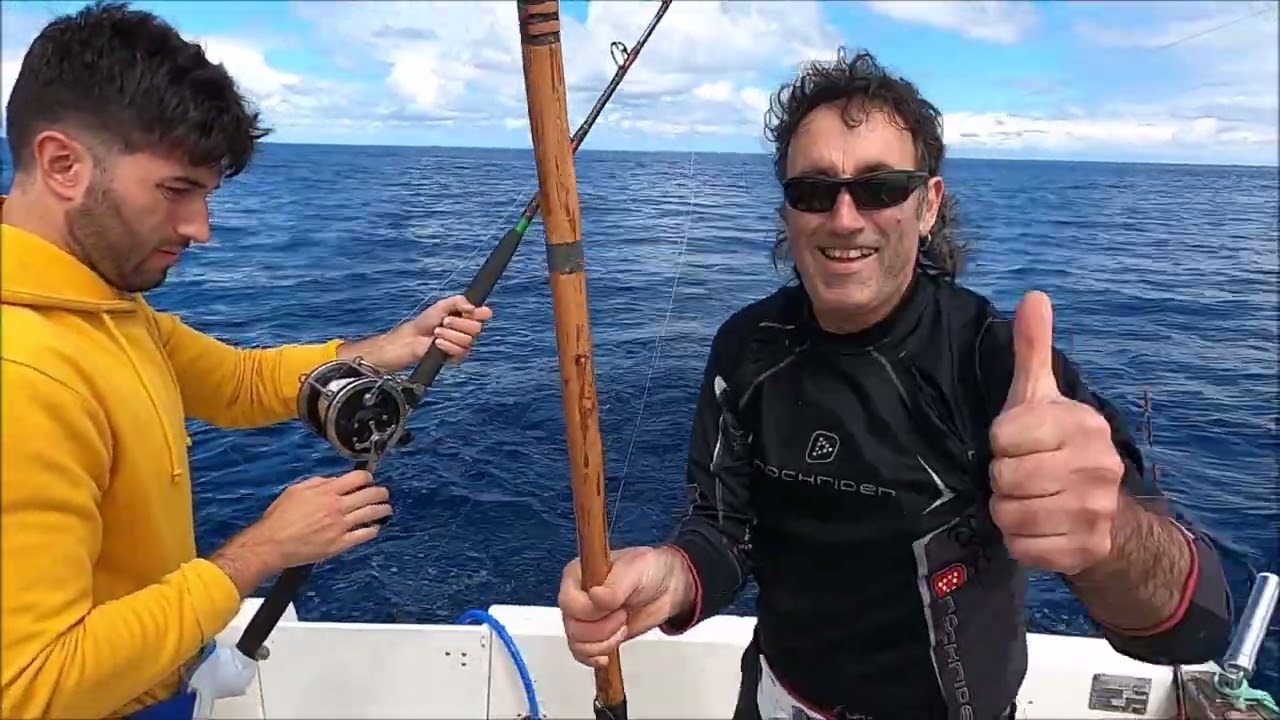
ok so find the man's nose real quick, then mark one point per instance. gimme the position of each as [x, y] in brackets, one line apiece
[845, 216]
[195, 224]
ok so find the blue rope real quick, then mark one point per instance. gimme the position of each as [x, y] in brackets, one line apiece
[485, 618]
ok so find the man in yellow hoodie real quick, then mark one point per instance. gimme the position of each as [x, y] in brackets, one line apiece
[119, 130]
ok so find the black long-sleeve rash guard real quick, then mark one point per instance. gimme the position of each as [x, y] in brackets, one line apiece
[849, 475]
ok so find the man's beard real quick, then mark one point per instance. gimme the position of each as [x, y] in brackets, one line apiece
[105, 241]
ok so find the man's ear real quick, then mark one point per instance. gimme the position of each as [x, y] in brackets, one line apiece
[62, 164]
[930, 204]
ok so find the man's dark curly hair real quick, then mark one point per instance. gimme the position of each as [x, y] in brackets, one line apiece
[863, 85]
[130, 82]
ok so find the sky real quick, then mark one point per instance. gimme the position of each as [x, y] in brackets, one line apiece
[1114, 81]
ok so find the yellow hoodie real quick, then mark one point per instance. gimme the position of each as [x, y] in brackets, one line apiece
[102, 596]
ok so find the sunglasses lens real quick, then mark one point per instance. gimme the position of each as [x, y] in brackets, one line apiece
[877, 192]
[815, 195]
[870, 192]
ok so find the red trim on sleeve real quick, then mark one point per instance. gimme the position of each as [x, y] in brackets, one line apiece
[671, 629]
[1184, 602]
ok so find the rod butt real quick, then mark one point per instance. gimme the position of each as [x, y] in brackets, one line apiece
[615, 711]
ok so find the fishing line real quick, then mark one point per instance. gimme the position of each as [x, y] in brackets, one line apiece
[442, 543]
[1064, 85]
[657, 346]
[656, 355]
[1216, 28]
[427, 299]
[363, 410]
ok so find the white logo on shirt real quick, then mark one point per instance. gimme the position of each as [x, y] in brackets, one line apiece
[822, 447]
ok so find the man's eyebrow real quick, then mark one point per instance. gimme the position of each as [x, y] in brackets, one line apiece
[876, 167]
[823, 170]
[188, 181]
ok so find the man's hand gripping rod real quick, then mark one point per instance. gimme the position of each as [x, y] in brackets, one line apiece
[363, 412]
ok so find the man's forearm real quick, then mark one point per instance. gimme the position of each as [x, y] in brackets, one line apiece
[245, 561]
[231, 387]
[1142, 583]
[713, 576]
[683, 593]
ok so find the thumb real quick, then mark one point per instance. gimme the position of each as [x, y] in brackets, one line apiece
[624, 579]
[1033, 379]
[456, 304]
[429, 319]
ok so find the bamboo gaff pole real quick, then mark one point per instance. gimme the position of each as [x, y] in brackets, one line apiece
[544, 83]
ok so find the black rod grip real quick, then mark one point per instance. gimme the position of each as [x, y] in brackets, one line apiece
[272, 609]
[283, 591]
[290, 582]
[481, 285]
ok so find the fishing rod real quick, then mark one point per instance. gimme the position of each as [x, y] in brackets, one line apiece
[363, 411]
[544, 85]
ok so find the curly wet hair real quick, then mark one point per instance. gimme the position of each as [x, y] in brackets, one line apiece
[864, 85]
[128, 81]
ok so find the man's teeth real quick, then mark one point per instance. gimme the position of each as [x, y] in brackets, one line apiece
[847, 253]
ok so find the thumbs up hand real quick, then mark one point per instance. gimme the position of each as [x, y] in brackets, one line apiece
[1055, 473]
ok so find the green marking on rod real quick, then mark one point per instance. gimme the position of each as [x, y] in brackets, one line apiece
[523, 225]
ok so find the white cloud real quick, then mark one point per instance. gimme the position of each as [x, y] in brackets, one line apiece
[1225, 60]
[285, 98]
[250, 68]
[994, 21]
[707, 68]
[1004, 131]
[275, 92]
[711, 66]
[1183, 22]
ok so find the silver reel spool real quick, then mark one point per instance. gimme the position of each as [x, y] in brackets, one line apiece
[356, 407]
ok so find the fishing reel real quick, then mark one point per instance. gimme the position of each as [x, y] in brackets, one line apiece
[359, 409]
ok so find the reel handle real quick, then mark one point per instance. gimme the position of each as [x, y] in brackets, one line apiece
[282, 593]
[290, 582]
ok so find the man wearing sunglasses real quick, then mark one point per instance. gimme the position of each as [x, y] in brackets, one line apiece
[886, 454]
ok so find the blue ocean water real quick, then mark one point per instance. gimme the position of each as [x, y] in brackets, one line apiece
[1164, 278]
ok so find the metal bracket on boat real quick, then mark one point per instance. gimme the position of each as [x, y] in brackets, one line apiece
[1242, 654]
[359, 409]
[1224, 694]
[1200, 697]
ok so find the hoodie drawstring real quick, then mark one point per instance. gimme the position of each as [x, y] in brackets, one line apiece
[175, 469]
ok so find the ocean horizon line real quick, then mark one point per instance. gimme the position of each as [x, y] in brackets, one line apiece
[951, 155]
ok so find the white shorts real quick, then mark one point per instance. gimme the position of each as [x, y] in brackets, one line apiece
[775, 703]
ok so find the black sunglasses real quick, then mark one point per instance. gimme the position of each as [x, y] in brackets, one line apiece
[873, 191]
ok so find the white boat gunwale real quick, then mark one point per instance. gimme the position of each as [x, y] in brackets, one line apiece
[319, 669]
